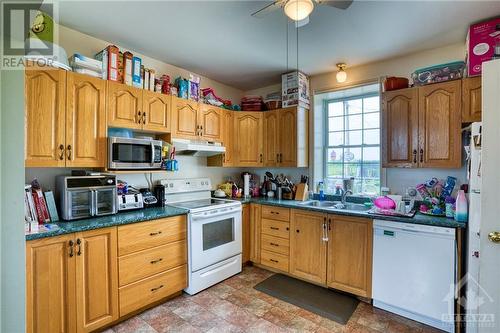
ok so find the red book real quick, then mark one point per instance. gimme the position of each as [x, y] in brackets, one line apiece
[41, 207]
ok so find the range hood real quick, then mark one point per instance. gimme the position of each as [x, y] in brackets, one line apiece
[197, 148]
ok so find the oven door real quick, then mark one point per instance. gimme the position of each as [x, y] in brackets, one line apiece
[125, 153]
[79, 204]
[214, 236]
[104, 201]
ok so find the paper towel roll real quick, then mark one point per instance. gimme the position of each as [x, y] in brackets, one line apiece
[246, 185]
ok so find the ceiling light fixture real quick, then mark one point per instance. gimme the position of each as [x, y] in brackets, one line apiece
[298, 10]
[341, 74]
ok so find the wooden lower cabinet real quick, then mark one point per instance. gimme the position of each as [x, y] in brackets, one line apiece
[255, 237]
[308, 245]
[246, 233]
[350, 254]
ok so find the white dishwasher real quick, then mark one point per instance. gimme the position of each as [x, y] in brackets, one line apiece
[414, 272]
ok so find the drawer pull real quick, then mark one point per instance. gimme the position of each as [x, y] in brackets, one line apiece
[155, 289]
[274, 228]
[272, 260]
[155, 233]
[277, 213]
[156, 261]
[274, 244]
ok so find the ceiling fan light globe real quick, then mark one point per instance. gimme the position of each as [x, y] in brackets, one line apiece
[341, 76]
[298, 10]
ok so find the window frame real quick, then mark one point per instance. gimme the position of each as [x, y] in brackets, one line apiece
[326, 145]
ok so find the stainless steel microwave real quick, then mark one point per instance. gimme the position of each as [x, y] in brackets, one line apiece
[130, 153]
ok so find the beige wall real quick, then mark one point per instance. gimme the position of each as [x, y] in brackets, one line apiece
[77, 42]
[264, 90]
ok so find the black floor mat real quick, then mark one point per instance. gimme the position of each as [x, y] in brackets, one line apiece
[324, 302]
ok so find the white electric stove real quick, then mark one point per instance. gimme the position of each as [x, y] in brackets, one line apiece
[214, 232]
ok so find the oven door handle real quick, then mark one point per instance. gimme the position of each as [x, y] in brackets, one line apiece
[220, 268]
[93, 206]
[200, 216]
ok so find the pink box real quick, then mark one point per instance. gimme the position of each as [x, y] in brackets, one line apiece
[483, 39]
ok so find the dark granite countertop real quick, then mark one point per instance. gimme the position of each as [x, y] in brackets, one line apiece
[129, 217]
[417, 219]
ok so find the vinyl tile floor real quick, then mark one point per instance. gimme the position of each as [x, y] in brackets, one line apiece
[235, 306]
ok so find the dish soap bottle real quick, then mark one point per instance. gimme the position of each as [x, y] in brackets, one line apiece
[321, 191]
[461, 207]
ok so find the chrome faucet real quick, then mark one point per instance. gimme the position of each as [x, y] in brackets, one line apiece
[344, 195]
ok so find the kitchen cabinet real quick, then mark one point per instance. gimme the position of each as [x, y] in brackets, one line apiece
[308, 245]
[271, 138]
[248, 143]
[422, 126]
[275, 238]
[210, 120]
[50, 285]
[349, 266]
[471, 99]
[74, 279]
[400, 128]
[157, 112]
[124, 106]
[255, 236]
[440, 125]
[185, 115]
[226, 159]
[45, 99]
[246, 233]
[85, 121]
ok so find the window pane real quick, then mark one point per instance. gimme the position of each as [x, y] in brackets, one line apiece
[353, 138]
[352, 155]
[352, 170]
[334, 155]
[331, 183]
[336, 124]
[357, 185]
[372, 120]
[372, 137]
[371, 104]
[353, 122]
[335, 170]
[371, 186]
[371, 154]
[335, 109]
[335, 138]
[371, 171]
[354, 106]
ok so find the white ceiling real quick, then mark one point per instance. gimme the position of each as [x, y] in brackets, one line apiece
[219, 39]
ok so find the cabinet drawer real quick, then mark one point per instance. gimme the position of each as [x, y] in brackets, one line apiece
[276, 213]
[275, 244]
[139, 265]
[139, 294]
[276, 228]
[274, 260]
[141, 236]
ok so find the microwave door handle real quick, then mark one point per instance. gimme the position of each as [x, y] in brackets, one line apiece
[152, 154]
[92, 206]
[96, 212]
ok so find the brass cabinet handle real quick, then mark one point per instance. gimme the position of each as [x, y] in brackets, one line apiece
[70, 243]
[69, 152]
[138, 119]
[272, 260]
[414, 156]
[155, 289]
[201, 130]
[274, 244]
[494, 236]
[61, 148]
[144, 118]
[274, 228]
[156, 261]
[421, 155]
[260, 158]
[273, 212]
[79, 243]
[281, 158]
[154, 233]
[329, 224]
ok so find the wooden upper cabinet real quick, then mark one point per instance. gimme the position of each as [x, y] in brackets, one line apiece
[308, 246]
[157, 109]
[124, 106]
[440, 125]
[271, 138]
[45, 98]
[210, 120]
[249, 139]
[50, 283]
[228, 138]
[400, 128]
[288, 137]
[185, 118]
[350, 249]
[96, 278]
[471, 98]
[85, 121]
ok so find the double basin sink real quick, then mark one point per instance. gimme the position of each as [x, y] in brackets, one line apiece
[336, 205]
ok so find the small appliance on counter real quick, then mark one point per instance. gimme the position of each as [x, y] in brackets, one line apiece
[86, 196]
[131, 200]
[148, 198]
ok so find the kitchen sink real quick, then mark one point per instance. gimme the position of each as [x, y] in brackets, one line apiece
[336, 205]
[315, 203]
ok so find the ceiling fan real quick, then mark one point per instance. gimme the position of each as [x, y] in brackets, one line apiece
[299, 10]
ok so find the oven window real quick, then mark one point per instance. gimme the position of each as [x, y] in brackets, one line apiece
[218, 233]
[131, 153]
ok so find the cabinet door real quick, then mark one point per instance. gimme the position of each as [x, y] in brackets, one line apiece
[124, 106]
[50, 285]
[96, 279]
[400, 128]
[440, 125]
[45, 91]
[271, 138]
[210, 120]
[308, 244]
[157, 110]
[471, 97]
[255, 228]
[350, 254]
[288, 137]
[246, 233]
[229, 139]
[85, 121]
[248, 139]
[185, 115]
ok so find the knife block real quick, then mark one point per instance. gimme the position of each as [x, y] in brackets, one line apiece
[301, 193]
